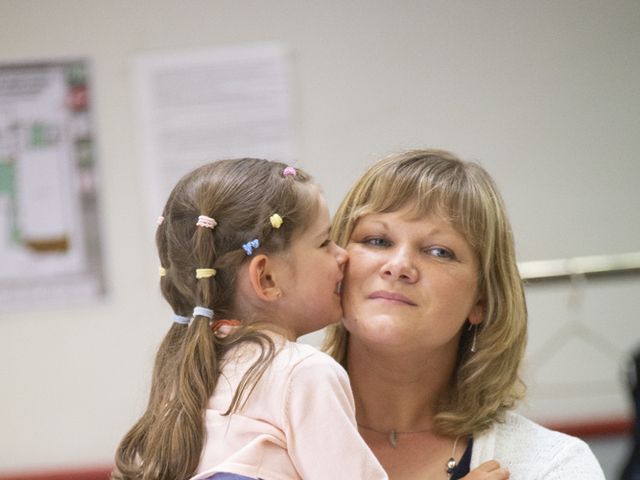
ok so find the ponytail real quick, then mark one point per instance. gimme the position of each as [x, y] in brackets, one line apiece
[241, 195]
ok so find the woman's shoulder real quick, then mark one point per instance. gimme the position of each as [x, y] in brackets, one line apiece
[525, 446]
[515, 425]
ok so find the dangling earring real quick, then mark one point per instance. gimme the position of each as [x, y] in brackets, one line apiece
[475, 338]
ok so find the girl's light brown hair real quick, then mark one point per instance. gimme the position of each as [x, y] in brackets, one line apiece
[486, 383]
[241, 195]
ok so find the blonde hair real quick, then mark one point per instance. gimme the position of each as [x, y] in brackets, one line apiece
[487, 383]
[241, 195]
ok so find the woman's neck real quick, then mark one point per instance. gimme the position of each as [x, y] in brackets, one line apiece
[395, 391]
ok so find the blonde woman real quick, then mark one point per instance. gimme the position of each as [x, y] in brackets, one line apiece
[434, 325]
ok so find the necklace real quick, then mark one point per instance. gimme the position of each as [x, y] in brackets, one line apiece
[451, 463]
[393, 441]
[393, 434]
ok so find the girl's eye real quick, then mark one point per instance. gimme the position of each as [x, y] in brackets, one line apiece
[441, 252]
[325, 243]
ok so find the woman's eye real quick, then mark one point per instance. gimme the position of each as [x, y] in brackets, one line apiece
[441, 252]
[376, 241]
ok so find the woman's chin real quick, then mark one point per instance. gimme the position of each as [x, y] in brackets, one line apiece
[379, 329]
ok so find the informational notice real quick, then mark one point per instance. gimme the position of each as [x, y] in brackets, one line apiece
[198, 106]
[49, 230]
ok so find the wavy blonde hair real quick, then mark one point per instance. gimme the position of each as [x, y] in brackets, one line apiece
[486, 383]
[241, 195]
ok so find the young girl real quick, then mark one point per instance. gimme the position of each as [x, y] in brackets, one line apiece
[247, 267]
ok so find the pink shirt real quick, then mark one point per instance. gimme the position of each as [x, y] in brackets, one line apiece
[298, 422]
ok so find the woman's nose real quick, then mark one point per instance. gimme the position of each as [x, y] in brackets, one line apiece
[400, 266]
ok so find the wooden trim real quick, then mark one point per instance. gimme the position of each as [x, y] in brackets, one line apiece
[96, 473]
[596, 428]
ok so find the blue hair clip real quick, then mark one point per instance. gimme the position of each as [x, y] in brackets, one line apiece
[249, 247]
[181, 320]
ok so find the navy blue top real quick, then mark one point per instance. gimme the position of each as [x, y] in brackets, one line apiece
[465, 463]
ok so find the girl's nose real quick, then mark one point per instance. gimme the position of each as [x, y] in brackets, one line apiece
[341, 255]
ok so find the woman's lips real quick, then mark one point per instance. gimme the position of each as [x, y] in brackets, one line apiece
[390, 296]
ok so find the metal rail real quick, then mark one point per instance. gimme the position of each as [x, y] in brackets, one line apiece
[580, 266]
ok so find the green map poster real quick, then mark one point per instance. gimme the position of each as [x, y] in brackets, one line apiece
[49, 230]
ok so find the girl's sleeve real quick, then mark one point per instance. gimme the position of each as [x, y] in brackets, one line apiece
[322, 436]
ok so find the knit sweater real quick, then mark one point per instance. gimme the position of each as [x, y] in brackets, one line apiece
[532, 452]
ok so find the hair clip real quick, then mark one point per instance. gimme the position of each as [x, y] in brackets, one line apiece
[203, 312]
[276, 220]
[162, 271]
[222, 328]
[289, 172]
[205, 272]
[160, 220]
[181, 320]
[249, 247]
[206, 222]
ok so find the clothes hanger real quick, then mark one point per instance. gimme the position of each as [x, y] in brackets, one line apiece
[576, 328]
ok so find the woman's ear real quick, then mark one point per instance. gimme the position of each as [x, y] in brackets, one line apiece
[476, 315]
[263, 278]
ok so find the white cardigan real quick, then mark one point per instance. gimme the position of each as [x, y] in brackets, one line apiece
[532, 452]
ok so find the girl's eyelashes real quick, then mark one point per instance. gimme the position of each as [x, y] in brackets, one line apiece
[326, 243]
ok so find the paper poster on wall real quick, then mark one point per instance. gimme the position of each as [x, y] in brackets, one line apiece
[49, 233]
[203, 105]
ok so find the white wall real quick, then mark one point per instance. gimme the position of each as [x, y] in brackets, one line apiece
[544, 94]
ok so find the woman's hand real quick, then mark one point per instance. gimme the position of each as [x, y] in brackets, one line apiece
[488, 471]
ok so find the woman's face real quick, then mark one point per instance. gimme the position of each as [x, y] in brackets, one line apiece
[409, 284]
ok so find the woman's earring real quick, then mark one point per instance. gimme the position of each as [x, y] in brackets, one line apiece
[475, 337]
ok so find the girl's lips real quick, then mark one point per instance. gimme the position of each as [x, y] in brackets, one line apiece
[393, 296]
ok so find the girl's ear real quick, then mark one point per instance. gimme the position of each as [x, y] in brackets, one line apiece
[262, 277]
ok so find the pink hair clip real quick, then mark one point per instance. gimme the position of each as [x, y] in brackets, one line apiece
[206, 222]
[289, 172]
[222, 328]
[160, 220]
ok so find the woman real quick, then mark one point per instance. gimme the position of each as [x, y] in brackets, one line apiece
[435, 325]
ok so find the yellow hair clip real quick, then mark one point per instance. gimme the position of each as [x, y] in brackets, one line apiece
[162, 271]
[205, 272]
[276, 220]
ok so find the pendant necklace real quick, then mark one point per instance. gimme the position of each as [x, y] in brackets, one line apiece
[393, 441]
[393, 434]
[451, 463]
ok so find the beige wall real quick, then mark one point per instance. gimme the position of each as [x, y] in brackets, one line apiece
[544, 94]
